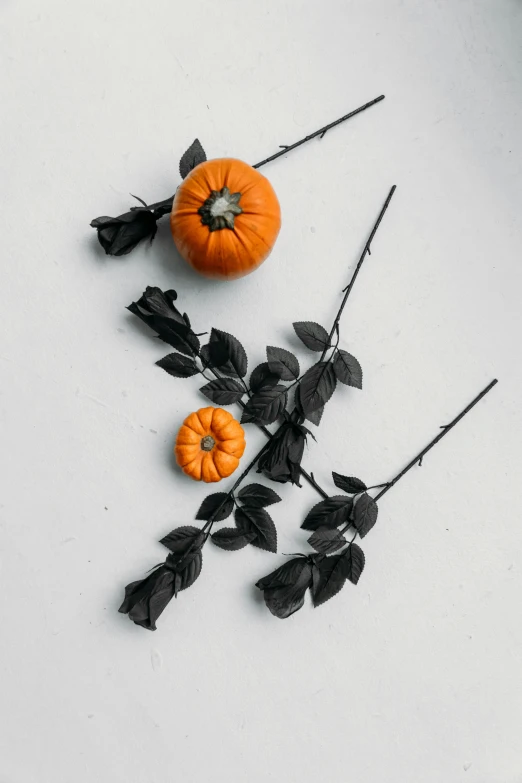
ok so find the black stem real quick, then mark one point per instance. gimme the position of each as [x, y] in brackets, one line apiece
[435, 440]
[319, 132]
[365, 251]
[165, 206]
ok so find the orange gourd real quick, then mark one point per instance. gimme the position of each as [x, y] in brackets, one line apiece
[210, 444]
[225, 218]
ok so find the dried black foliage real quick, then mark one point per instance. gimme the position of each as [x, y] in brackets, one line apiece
[223, 391]
[217, 507]
[347, 369]
[192, 158]
[284, 589]
[156, 308]
[226, 353]
[364, 514]
[266, 405]
[332, 512]
[316, 387]
[256, 520]
[232, 538]
[349, 484]
[257, 496]
[262, 377]
[313, 335]
[281, 459]
[327, 540]
[178, 365]
[354, 563]
[282, 363]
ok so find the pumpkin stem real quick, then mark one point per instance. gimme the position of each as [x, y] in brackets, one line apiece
[208, 443]
[219, 209]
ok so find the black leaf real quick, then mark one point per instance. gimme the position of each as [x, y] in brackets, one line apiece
[316, 416]
[263, 377]
[214, 354]
[258, 496]
[186, 571]
[181, 539]
[313, 335]
[354, 561]
[349, 484]
[332, 578]
[316, 387]
[365, 514]
[178, 365]
[218, 500]
[327, 540]
[265, 406]
[258, 520]
[283, 363]
[231, 538]
[192, 158]
[331, 512]
[223, 391]
[284, 589]
[347, 369]
[236, 363]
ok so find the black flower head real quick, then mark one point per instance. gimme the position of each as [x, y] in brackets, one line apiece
[284, 589]
[156, 308]
[146, 599]
[282, 458]
[119, 235]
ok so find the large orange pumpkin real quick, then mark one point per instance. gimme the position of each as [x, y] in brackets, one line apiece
[210, 444]
[225, 218]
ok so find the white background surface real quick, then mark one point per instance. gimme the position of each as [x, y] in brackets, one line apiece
[416, 674]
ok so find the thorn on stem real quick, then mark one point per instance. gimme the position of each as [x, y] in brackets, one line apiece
[420, 462]
[283, 146]
[323, 134]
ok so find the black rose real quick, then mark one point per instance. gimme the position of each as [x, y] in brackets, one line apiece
[156, 308]
[282, 458]
[284, 589]
[119, 235]
[146, 599]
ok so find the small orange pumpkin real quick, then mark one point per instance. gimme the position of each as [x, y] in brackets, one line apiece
[210, 444]
[225, 218]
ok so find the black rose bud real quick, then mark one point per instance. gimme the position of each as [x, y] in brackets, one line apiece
[146, 599]
[282, 458]
[119, 235]
[284, 589]
[156, 308]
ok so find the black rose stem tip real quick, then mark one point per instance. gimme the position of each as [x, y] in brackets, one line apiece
[119, 235]
[324, 573]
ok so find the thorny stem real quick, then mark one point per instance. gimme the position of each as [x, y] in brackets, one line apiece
[165, 206]
[366, 250]
[321, 132]
[444, 431]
